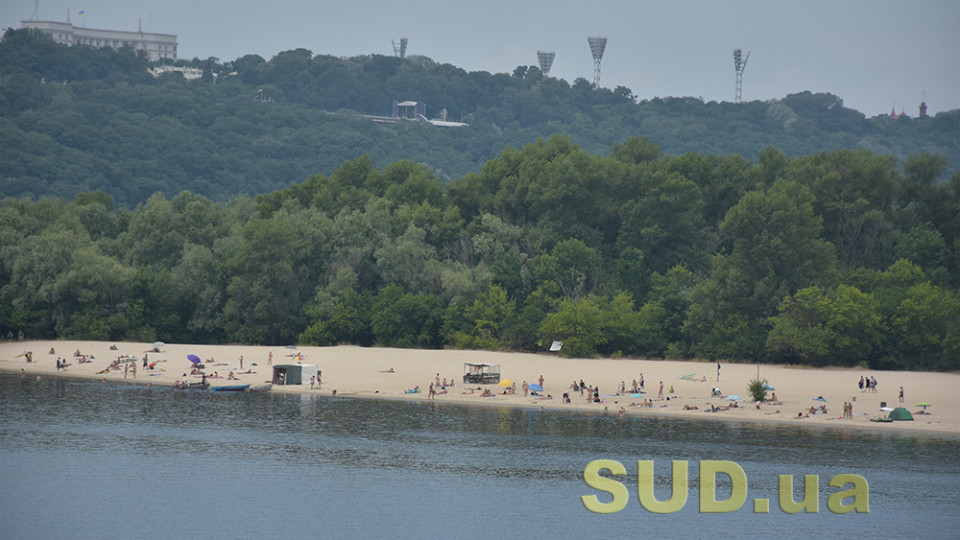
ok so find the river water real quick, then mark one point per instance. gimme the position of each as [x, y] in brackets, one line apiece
[88, 460]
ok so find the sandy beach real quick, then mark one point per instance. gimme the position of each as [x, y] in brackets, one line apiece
[389, 373]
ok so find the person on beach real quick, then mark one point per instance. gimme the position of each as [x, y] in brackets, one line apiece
[270, 359]
[718, 371]
[313, 381]
[437, 379]
[901, 394]
[541, 381]
[660, 393]
[526, 388]
[582, 386]
[241, 362]
[432, 393]
[860, 384]
[641, 381]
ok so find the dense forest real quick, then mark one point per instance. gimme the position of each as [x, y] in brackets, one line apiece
[843, 257]
[77, 119]
[829, 259]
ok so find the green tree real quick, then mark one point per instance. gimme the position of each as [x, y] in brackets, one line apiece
[486, 320]
[776, 251]
[578, 323]
[840, 326]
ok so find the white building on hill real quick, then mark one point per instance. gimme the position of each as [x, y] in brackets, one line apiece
[155, 46]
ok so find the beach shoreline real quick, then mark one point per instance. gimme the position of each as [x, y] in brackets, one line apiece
[359, 372]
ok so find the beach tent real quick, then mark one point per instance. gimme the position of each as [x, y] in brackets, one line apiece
[482, 373]
[285, 374]
[900, 414]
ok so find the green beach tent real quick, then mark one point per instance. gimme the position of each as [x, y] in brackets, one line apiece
[900, 414]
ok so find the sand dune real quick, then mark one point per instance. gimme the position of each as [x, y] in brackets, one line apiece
[364, 372]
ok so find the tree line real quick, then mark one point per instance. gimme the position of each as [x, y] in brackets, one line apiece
[833, 258]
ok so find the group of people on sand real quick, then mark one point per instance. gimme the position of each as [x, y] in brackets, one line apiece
[847, 409]
[822, 409]
[437, 387]
[592, 393]
[731, 405]
[867, 384]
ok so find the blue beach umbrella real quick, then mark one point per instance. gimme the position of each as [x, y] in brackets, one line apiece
[768, 387]
[193, 358]
[735, 398]
[535, 387]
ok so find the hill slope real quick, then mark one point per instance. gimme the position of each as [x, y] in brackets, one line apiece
[76, 119]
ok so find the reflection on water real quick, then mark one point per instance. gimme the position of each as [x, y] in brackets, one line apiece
[388, 468]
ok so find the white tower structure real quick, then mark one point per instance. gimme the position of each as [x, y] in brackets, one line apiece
[597, 46]
[740, 64]
[546, 61]
[400, 49]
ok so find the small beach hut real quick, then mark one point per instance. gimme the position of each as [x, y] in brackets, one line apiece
[900, 414]
[482, 373]
[286, 374]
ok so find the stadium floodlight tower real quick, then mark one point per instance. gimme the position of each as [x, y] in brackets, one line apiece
[546, 61]
[740, 64]
[597, 46]
[400, 49]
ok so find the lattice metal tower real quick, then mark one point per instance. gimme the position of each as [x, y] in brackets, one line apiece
[739, 64]
[400, 49]
[597, 46]
[546, 61]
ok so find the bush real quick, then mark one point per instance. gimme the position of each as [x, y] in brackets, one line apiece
[756, 389]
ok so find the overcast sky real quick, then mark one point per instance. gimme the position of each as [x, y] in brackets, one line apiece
[873, 54]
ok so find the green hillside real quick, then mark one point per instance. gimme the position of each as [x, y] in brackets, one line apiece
[79, 119]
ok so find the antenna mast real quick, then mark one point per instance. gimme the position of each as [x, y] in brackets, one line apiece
[546, 61]
[739, 65]
[597, 46]
[400, 49]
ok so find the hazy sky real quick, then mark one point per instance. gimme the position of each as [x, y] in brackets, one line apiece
[871, 53]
